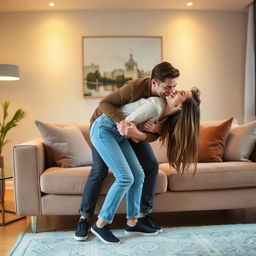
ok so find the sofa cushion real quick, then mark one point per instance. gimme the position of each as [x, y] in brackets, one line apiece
[211, 176]
[66, 145]
[61, 181]
[212, 141]
[159, 151]
[241, 142]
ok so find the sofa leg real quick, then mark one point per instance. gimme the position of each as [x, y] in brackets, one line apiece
[33, 222]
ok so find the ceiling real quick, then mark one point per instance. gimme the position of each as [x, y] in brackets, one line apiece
[42, 5]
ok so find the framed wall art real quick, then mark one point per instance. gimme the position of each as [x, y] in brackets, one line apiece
[110, 61]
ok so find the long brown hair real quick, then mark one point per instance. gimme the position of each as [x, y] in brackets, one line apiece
[180, 132]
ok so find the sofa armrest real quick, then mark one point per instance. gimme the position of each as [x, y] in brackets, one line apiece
[28, 164]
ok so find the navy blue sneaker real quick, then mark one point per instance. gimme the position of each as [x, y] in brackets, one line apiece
[147, 221]
[104, 234]
[140, 229]
[81, 233]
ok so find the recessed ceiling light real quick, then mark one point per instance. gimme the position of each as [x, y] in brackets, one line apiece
[52, 4]
[189, 3]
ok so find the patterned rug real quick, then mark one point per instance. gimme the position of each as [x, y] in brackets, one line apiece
[220, 240]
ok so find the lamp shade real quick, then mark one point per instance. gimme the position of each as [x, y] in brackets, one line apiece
[9, 72]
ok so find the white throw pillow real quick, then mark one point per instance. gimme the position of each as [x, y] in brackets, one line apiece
[241, 142]
[66, 145]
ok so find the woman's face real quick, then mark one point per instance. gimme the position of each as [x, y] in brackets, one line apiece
[177, 98]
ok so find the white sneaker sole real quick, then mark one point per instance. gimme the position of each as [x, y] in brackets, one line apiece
[140, 233]
[77, 238]
[103, 240]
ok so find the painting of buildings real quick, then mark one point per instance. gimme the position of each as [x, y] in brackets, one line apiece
[109, 62]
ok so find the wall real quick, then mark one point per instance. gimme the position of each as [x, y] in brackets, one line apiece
[207, 47]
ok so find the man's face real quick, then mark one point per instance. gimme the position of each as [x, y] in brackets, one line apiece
[164, 89]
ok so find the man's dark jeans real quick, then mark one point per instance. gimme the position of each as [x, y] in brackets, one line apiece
[99, 171]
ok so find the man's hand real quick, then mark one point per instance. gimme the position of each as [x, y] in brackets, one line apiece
[127, 129]
[150, 126]
[121, 127]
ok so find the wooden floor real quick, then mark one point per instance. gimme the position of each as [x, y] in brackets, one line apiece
[10, 232]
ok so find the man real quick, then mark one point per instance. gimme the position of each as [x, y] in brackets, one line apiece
[162, 83]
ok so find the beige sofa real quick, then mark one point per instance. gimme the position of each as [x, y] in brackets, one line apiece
[44, 189]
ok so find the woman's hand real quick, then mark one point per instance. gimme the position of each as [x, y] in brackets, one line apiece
[150, 126]
[129, 130]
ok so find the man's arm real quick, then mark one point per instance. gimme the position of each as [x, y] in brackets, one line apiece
[111, 104]
[131, 91]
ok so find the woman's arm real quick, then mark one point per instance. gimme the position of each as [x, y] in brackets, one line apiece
[142, 113]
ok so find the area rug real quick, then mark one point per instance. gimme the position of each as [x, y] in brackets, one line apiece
[219, 240]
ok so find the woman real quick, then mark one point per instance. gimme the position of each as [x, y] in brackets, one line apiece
[179, 124]
[117, 153]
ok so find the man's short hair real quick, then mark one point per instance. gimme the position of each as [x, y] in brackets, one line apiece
[164, 70]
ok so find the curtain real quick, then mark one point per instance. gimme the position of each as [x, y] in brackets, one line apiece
[250, 69]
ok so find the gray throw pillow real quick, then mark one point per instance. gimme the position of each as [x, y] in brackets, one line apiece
[66, 145]
[241, 142]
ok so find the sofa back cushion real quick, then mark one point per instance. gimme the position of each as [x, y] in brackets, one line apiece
[85, 129]
[65, 144]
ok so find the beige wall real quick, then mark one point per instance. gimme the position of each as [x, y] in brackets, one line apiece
[207, 47]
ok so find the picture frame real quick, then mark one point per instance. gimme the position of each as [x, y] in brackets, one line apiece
[110, 61]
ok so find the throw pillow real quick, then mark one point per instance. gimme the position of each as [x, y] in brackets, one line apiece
[241, 142]
[218, 122]
[66, 145]
[212, 141]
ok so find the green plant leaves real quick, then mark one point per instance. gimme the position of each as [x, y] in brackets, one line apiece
[7, 126]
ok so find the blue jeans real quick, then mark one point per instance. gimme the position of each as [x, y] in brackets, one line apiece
[120, 158]
[99, 171]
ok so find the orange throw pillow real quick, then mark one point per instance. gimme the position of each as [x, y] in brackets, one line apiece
[212, 141]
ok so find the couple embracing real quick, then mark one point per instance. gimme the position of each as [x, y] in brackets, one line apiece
[122, 126]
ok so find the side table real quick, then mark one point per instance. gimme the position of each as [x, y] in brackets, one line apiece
[5, 174]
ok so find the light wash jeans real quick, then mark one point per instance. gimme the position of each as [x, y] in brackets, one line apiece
[120, 158]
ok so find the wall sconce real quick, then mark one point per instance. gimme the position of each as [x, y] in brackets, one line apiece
[9, 72]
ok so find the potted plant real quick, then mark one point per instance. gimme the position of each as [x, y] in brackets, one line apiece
[6, 126]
